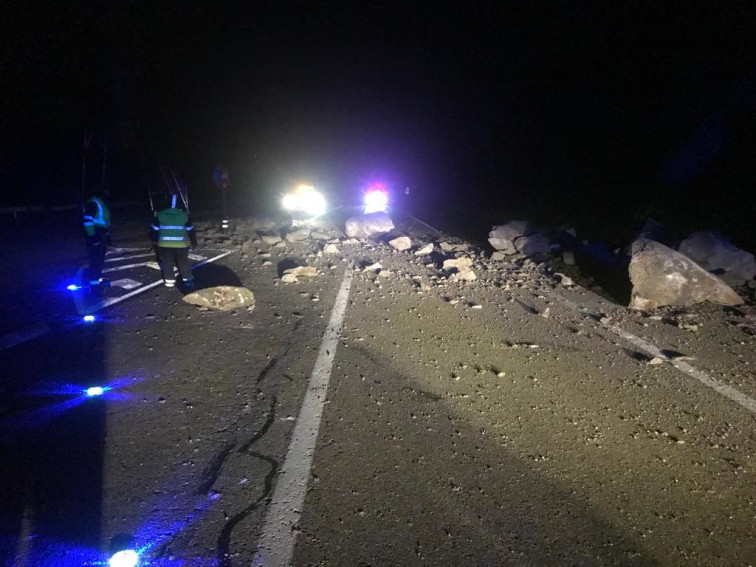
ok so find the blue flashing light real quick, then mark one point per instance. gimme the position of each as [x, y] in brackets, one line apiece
[89, 318]
[95, 391]
[73, 287]
[124, 558]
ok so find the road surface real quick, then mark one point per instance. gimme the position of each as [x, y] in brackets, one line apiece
[366, 416]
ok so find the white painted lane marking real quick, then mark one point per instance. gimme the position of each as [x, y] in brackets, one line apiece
[125, 283]
[132, 257]
[151, 264]
[119, 250]
[728, 391]
[276, 546]
[423, 223]
[16, 338]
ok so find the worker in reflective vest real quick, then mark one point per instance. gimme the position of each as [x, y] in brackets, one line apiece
[173, 233]
[96, 217]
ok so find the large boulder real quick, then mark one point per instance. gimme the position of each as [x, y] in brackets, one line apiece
[364, 226]
[533, 244]
[222, 297]
[502, 237]
[717, 254]
[662, 276]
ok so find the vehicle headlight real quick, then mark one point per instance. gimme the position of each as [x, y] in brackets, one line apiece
[375, 201]
[306, 200]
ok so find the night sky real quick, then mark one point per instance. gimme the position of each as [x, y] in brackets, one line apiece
[573, 112]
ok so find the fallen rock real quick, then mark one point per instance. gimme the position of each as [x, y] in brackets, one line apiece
[270, 239]
[498, 256]
[662, 276]
[461, 269]
[717, 254]
[458, 264]
[298, 235]
[292, 275]
[564, 279]
[330, 249]
[363, 226]
[223, 298]
[468, 276]
[536, 244]
[502, 237]
[425, 250]
[401, 244]
[448, 247]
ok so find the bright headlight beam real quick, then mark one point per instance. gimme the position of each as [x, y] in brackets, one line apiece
[306, 200]
[375, 201]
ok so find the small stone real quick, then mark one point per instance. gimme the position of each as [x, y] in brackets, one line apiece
[425, 250]
[655, 361]
[401, 244]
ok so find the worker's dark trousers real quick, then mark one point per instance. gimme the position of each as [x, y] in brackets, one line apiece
[96, 261]
[170, 257]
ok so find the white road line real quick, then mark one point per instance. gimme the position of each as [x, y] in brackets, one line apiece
[728, 391]
[423, 223]
[119, 250]
[152, 264]
[16, 338]
[276, 546]
[119, 258]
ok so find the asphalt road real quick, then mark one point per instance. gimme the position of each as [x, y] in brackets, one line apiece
[444, 423]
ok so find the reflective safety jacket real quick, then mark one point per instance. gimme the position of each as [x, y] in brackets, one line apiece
[96, 216]
[173, 229]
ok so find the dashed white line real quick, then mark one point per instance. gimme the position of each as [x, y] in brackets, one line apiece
[276, 545]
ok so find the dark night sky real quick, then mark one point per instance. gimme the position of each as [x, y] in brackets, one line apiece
[514, 106]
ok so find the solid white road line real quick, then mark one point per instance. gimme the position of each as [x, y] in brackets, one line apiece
[16, 338]
[133, 256]
[151, 264]
[728, 391]
[423, 223]
[276, 545]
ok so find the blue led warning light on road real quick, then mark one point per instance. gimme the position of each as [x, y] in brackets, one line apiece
[89, 318]
[95, 391]
[73, 287]
[124, 558]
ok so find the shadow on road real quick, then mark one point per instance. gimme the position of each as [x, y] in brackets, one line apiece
[406, 478]
[52, 439]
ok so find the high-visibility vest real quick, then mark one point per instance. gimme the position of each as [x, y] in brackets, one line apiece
[171, 227]
[101, 219]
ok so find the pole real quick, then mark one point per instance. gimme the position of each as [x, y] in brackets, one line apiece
[82, 196]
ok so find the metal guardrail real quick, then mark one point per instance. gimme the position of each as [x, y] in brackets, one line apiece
[57, 208]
